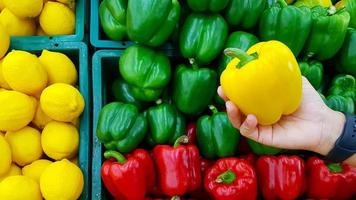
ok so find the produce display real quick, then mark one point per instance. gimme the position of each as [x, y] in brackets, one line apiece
[38, 17]
[39, 126]
[164, 129]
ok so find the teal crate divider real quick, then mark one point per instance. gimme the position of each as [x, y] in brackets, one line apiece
[78, 53]
[98, 39]
[78, 36]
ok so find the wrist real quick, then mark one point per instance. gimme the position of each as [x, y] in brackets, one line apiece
[332, 128]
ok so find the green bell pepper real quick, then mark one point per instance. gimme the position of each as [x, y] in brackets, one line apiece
[346, 58]
[202, 37]
[343, 85]
[244, 14]
[166, 124]
[260, 149]
[340, 103]
[122, 92]
[147, 71]
[193, 88]
[216, 136]
[328, 32]
[286, 23]
[207, 5]
[313, 71]
[121, 127]
[112, 14]
[152, 22]
[350, 6]
[240, 40]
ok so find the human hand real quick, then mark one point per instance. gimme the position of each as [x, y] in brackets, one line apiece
[313, 127]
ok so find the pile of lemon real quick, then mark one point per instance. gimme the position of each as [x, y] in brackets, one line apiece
[39, 110]
[38, 17]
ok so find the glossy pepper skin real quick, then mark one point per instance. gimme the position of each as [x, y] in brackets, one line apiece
[121, 127]
[346, 58]
[192, 133]
[178, 167]
[112, 14]
[201, 193]
[202, 37]
[243, 78]
[128, 178]
[244, 14]
[286, 23]
[332, 181]
[328, 32]
[343, 85]
[260, 149]
[152, 22]
[165, 123]
[207, 5]
[123, 92]
[216, 136]
[313, 3]
[314, 71]
[146, 70]
[274, 175]
[193, 88]
[340, 103]
[350, 6]
[231, 178]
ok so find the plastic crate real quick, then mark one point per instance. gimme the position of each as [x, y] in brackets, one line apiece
[78, 53]
[78, 36]
[97, 36]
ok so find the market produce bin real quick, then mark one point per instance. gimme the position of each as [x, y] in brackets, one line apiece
[98, 38]
[78, 53]
[78, 36]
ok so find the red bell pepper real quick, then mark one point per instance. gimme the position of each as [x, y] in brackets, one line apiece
[201, 192]
[178, 167]
[281, 177]
[332, 181]
[130, 178]
[192, 133]
[231, 178]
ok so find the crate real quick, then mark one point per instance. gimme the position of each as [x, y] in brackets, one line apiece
[78, 36]
[78, 53]
[98, 38]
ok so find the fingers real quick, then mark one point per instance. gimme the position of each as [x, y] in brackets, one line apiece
[233, 113]
[221, 94]
[249, 126]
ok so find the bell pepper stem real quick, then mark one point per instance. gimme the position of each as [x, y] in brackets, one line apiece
[227, 177]
[213, 109]
[175, 198]
[335, 167]
[282, 3]
[193, 63]
[241, 55]
[181, 140]
[159, 101]
[332, 10]
[114, 154]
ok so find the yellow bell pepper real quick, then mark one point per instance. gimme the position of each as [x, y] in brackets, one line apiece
[266, 81]
[312, 3]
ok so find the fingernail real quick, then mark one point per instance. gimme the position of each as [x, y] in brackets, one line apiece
[249, 118]
[228, 105]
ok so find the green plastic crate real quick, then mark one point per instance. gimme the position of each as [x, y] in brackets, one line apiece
[78, 36]
[97, 36]
[78, 53]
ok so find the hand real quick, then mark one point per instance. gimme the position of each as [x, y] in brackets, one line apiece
[313, 127]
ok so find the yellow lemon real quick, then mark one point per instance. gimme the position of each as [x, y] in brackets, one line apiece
[3, 82]
[25, 145]
[57, 19]
[16, 26]
[2, 6]
[41, 119]
[62, 180]
[60, 140]
[59, 67]
[24, 8]
[62, 102]
[16, 110]
[4, 41]
[35, 169]
[18, 188]
[5, 158]
[40, 31]
[24, 72]
[13, 171]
